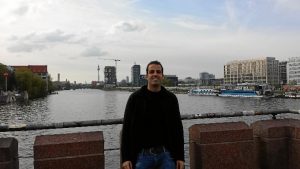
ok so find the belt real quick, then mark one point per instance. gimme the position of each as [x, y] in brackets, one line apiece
[154, 150]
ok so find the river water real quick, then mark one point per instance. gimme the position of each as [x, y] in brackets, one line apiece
[89, 104]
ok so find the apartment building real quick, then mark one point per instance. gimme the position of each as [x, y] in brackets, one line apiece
[135, 75]
[293, 70]
[283, 72]
[264, 70]
[206, 78]
[40, 70]
[110, 75]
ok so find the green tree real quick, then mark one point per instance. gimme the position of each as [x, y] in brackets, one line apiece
[3, 69]
[50, 84]
[24, 79]
[33, 84]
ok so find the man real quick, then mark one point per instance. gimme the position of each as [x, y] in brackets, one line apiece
[152, 134]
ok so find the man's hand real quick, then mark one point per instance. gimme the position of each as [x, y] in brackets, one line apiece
[179, 164]
[127, 165]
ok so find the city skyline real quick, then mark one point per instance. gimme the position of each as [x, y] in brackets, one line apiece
[188, 37]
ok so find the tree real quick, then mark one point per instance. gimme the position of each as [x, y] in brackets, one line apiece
[33, 84]
[3, 69]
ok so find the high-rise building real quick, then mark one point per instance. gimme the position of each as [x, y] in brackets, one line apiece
[135, 75]
[283, 72]
[58, 77]
[293, 70]
[110, 75]
[265, 70]
[206, 78]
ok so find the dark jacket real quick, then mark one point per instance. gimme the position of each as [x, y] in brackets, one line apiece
[135, 109]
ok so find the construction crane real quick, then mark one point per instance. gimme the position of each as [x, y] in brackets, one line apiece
[116, 61]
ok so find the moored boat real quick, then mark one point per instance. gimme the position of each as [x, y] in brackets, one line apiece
[247, 90]
[293, 95]
[203, 92]
[239, 93]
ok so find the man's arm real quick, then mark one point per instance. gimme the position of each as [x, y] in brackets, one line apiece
[178, 132]
[126, 136]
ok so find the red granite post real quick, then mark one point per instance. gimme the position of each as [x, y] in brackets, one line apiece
[9, 153]
[69, 151]
[278, 143]
[221, 145]
[294, 144]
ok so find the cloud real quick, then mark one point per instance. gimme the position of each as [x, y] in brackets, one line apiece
[25, 47]
[127, 26]
[93, 52]
[22, 10]
[287, 5]
[194, 23]
[38, 41]
[57, 36]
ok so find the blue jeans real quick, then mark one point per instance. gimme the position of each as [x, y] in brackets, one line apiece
[148, 161]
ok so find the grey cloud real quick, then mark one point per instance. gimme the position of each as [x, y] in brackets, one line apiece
[49, 37]
[22, 10]
[93, 52]
[24, 47]
[39, 41]
[58, 36]
[129, 26]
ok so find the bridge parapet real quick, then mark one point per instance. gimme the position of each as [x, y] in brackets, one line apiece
[69, 151]
[9, 153]
[266, 144]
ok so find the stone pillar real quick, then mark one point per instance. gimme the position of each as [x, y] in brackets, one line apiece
[69, 151]
[294, 144]
[221, 145]
[278, 144]
[9, 153]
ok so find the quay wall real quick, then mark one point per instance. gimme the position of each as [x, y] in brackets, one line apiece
[266, 144]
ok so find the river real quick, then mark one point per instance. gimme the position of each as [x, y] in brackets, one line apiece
[91, 104]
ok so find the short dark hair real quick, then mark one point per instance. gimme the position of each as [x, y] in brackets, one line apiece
[155, 62]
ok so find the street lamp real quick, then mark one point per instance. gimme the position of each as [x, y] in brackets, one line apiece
[5, 75]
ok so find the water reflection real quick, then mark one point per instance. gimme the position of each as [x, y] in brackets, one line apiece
[111, 102]
[33, 112]
[76, 105]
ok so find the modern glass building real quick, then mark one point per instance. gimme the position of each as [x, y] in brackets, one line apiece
[293, 70]
[135, 75]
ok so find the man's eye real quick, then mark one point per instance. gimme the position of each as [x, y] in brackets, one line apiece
[153, 71]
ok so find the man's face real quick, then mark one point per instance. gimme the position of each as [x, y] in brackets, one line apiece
[154, 74]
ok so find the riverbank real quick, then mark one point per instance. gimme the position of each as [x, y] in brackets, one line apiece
[13, 96]
[176, 90]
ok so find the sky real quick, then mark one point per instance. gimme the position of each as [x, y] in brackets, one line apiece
[73, 37]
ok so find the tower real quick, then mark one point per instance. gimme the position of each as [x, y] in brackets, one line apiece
[98, 74]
